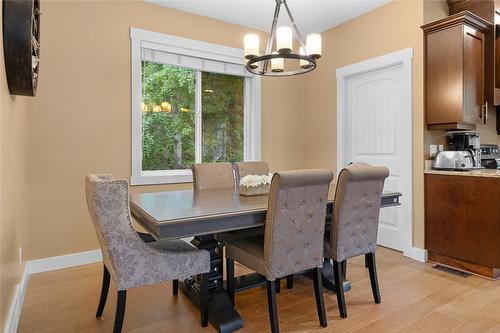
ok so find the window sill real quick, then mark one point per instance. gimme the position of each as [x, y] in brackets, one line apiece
[162, 177]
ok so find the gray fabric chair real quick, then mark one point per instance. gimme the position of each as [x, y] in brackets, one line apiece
[130, 261]
[212, 175]
[293, 238]
[355, 223]
[242, 169]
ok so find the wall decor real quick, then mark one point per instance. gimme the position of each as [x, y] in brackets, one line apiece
[21, 45]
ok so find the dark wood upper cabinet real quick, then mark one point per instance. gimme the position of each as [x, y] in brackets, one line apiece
[455, 86]
[489, 10]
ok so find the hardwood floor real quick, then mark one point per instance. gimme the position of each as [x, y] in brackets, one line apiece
[415, 298]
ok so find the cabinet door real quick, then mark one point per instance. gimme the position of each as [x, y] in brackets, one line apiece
[462, 218]
[473, 85]
[444, 76]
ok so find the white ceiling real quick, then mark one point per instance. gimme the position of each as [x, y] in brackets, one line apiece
[310, 15]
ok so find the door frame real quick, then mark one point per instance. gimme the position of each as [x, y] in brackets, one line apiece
[403, 57]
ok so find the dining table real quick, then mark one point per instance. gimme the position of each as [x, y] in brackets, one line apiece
[200, 215]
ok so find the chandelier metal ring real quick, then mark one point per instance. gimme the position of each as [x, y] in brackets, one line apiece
[253, 64]
[272, 63]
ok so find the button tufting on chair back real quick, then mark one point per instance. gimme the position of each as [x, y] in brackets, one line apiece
[295, 221]
[356, 211]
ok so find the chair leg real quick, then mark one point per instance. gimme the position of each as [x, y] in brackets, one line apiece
[278, 286]
[104, 292]
[289, 281]
[204, 299]
[318, 292]
[343, 265]
[175, 287]
[271, 302]
[230, 278]
[372, 268]
[120, 311]
[339, 288]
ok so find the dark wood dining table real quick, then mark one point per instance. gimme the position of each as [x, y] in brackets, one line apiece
[204, 213]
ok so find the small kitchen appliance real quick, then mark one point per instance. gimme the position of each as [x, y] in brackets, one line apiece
[453, 160]
[467, 141]
[490, 156]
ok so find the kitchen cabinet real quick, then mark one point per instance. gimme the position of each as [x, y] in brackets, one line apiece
[462, 222]
[490, 11]
[455, 72]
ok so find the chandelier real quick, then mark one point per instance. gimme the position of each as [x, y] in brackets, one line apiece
[273, 63]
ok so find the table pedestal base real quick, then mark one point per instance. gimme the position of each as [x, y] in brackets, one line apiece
[221, 312]
[327, 278]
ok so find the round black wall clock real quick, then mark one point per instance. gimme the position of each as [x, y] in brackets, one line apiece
[21, 45]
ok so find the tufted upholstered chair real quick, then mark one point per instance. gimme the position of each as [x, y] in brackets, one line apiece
[212, 175]
[242, 169]
[127, 259]
[355, 223]
[293, 237]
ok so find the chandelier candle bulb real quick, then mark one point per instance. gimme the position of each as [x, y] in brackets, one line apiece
[313, 45]
[304, 63]
[284, 39]
[251, 42]
[277, 64]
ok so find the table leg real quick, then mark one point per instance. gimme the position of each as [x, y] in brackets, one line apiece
[221, 312]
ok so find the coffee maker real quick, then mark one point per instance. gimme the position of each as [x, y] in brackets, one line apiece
[466, 141]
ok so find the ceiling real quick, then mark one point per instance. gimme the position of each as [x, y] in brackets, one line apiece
[310, 15]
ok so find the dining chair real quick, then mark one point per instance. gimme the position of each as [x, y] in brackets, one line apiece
[242, 169]
[293, 236]
[212, 175]
[355, 223]
[130, 261]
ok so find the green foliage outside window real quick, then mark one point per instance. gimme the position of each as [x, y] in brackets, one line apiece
[168, 133]
[168, 118]
[222, 117]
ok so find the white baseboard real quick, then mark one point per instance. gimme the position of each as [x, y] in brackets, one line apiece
[60, 262]
[416, 253]
[12, 320]
[40, 266]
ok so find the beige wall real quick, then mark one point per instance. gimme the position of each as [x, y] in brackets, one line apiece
[13, 195]
[386, 29]
[81, 122]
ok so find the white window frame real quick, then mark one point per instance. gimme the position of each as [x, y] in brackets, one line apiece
[189, 47]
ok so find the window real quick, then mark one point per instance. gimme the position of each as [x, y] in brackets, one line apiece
[191, 102]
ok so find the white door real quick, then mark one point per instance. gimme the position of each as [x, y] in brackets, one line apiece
[376, 129]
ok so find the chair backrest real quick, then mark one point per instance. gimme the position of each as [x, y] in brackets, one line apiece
[295, 221]
[356, 210]
[242, 169]
[107, 201]
[212, 175]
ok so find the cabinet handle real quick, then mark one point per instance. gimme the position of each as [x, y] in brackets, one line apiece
[485, 118]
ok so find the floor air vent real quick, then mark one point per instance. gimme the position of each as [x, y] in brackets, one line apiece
[453, 271]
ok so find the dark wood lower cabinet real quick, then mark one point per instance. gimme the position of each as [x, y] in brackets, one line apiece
[462, 222]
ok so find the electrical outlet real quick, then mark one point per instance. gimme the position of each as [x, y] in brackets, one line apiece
[20, 254]
[433, 150]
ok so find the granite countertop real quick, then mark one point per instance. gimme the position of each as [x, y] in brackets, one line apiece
[491, 173]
